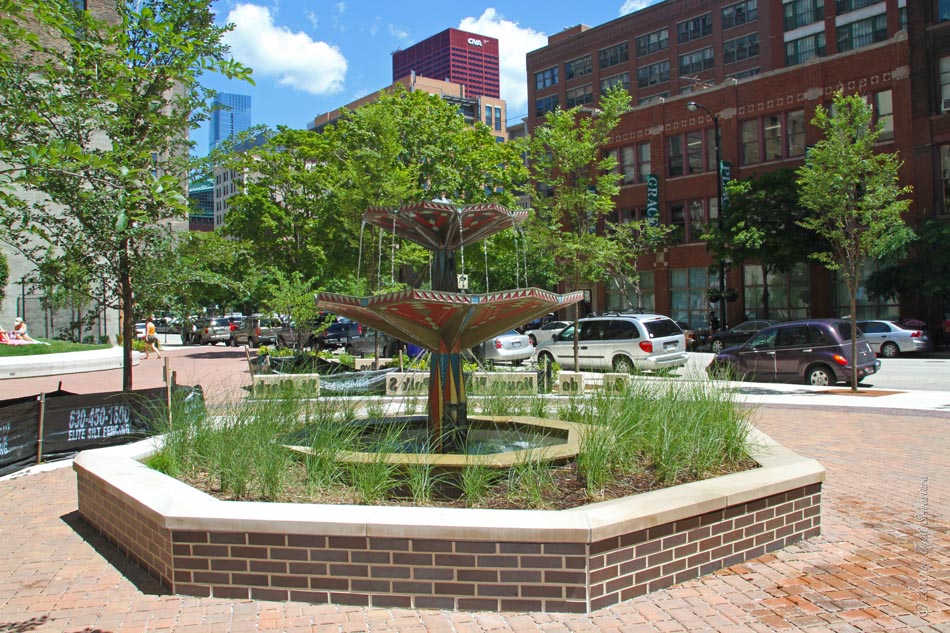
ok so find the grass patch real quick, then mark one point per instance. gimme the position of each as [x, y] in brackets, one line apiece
[54, 347]
[645, 437]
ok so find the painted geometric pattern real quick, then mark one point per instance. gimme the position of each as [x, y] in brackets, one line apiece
[444, 226]
[447, 321]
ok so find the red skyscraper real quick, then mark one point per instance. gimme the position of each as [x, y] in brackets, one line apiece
[464, 58]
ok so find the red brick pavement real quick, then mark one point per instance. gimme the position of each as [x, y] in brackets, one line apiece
[881, 564]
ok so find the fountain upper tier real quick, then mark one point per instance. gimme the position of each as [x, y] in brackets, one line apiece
[442, 226]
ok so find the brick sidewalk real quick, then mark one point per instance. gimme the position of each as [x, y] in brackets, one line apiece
[871, 570]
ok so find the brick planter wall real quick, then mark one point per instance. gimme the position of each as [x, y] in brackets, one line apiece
[491, 560]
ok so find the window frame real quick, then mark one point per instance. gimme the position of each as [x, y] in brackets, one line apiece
[748, 42]
[697, 61]
[606, 57]
[546, 78]
[646, 45]
[750, 13]
[694, 28]
[649, 69]
[571, 67]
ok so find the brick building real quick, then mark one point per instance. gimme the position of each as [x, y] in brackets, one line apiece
[761, 67]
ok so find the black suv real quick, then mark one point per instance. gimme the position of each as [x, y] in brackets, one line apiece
[339, 334]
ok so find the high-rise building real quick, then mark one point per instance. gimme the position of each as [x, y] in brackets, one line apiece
[454, 56]
[231, 114]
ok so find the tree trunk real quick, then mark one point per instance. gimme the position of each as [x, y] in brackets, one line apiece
[128, 321]
[853, 291]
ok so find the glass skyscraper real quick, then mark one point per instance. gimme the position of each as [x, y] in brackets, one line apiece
[231, 114]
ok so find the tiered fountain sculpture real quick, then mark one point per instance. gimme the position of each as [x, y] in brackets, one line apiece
[443, 320]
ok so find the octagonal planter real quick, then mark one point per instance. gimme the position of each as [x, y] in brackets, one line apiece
[575, 560]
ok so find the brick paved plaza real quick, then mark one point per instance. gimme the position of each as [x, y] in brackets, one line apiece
[882, 562]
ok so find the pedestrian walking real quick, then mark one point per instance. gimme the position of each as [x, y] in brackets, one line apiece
[151, 340]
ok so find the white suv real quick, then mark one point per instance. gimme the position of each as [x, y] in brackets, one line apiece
[621, 342]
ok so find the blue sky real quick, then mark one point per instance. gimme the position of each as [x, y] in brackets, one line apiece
[311, 57]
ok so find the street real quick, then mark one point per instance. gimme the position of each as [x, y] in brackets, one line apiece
[925, 373]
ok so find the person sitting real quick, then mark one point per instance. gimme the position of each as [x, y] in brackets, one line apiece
[19, 332]
[6, 338]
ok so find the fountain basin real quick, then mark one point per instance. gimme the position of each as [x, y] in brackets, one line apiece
[493, 441]
[575, 560]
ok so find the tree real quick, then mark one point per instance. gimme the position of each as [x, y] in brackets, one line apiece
[763, 224]
[567, 160]
[93, 138]
[856, 197]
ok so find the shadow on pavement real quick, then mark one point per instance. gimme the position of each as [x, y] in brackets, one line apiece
[117, 559]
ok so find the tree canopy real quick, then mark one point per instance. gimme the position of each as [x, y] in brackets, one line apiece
[93, 135]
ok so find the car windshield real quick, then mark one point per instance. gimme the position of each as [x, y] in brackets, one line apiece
[662, 327]
[221, 322]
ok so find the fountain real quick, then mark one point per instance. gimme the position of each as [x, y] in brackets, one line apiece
[443, 320]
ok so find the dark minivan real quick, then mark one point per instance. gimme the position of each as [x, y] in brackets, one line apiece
[816, 351]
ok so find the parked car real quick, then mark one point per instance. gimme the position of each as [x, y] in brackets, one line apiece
[621, 342]
[545, 332]
[694, 337]
[256, 330]
[737, 334]
[338, 334]
[890, 339]
[215, 330]
[816, 351]
[508, 347]
[140, 329]
[371, 342]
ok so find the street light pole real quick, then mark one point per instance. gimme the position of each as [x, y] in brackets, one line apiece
[692, 106]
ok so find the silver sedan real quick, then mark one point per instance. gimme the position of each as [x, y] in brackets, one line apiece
[890, 339]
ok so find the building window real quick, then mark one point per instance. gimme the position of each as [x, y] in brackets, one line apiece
[577, 67]
[614, 55]
[801, 12]
[643, 160]
[743, 74]
[740, 48]
[740, 13]
[789, 296]
[803, 49]
[844, 6]
[633, 296]
[866, 307]
[750, 151]
[943, 10]
[795, 122]
[653, 74]
[488, 117]
[695, 62]
[622, 79]
[688, 288]
[674, 146]
[884, 113]
[79, 4]
[700, 151]
[546, 104]
[862, 33]
[633, 163]
[581, 95]
[657, 98]
[772, 135]
[944, 81]
[945, 176]
[653, 42]
[694, 29]
[498, 119]
[545, 78]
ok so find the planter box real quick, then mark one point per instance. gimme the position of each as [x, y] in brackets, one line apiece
[276, 385]
[575, 560]
[570, 383]
[520, 383]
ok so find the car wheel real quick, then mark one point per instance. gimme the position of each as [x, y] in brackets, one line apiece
[623, 365]
[545, 357]
[716, 346]
[890, 350]
[532, 340]
[252, 343]
[819, 376]
[349, 349]
[281, 341]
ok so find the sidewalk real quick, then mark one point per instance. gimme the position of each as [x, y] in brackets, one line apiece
[882, 562]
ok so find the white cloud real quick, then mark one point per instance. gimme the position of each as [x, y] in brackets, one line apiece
[398, 33]
[514, 42]
[632, 6]
[292, 58]
[312, 18]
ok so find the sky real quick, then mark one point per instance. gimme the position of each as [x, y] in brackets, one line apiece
[311, 57]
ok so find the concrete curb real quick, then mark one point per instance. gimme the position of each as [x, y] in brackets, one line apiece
[65, 363]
